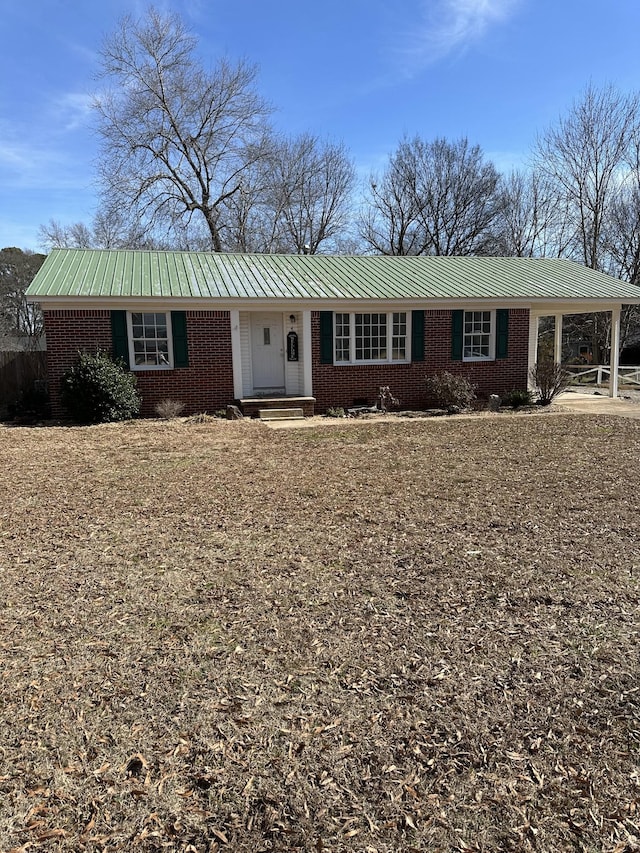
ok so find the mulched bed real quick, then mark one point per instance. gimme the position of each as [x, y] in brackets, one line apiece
[396, 636]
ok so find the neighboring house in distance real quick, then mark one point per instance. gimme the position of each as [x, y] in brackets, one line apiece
[209, 329]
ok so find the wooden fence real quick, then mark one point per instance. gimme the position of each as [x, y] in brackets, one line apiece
[600, 374]
[20, 372]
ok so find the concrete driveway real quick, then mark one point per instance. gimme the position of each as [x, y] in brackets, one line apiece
[581, 402]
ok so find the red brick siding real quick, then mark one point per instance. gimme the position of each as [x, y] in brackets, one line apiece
[67, 333]
[344, 385]
[207, 384]
[204, 386]
[491, 377]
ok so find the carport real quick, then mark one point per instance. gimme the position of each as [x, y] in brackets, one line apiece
[538, 312]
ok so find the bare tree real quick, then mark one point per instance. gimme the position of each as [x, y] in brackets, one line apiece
[110, 229]
[532, 218]
[582, 157]
[389, 221]
[18, 318]
[295, 199]
[458, 195]
[585, 158]
[310, 193]
[622, 238]
[436, 198]
[249, 225]
[176, 139]
[55, 235]
[622, 227]
[622, 235]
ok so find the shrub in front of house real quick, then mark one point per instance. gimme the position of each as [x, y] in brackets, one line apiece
[517, 398]
[448, 391]
[549, 379]
[169, 409]
[32, 404]
[98, 389]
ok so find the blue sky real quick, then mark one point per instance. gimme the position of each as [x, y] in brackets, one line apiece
[364, 72]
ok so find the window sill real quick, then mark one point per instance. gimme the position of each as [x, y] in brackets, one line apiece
[142, 368]
[386, 363]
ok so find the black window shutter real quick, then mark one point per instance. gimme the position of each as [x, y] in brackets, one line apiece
[119, 336]
[326, 337]
[179, 333]
[502, 333]
[417, 336]
[457, 325]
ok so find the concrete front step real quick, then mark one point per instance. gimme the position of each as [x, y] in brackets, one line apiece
[251, 406]
[280, 414]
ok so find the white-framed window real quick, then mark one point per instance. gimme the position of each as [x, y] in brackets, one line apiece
[342, 338]
[150, 346]
[371, 337]
[478, 342]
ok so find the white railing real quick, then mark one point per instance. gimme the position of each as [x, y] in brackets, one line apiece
[600, 374]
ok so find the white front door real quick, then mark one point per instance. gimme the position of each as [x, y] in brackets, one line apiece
[267, 353]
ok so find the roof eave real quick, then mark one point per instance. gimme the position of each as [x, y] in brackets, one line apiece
[538, 305]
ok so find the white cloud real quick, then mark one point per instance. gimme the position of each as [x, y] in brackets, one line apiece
[13, 155]
[29, 160]
[452, 25]
[72, 111]
[507, 161]
[56, 158]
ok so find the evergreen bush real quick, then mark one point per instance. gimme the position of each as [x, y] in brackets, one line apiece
[98, 389]
[517, 398]
[451, 392]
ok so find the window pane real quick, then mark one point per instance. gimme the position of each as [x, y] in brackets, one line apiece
[398, 349]
[400, 323]
[342, 333]
[399, 340]
[376, 336]
[371, 337]
[477, 334]
[150, 338]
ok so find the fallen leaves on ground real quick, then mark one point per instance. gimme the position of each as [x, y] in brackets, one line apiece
[394, 636]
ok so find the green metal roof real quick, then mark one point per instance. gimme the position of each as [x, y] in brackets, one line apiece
[127, 274]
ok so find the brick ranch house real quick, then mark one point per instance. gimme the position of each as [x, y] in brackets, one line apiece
[211, 329]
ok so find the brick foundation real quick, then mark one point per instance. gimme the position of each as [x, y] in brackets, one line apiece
[351, 384]
[205, 386]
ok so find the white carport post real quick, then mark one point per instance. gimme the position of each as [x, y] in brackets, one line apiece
[614, 358]
[557, 339]
[534, 328]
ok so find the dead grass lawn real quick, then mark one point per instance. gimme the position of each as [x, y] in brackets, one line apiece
[398, 636]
